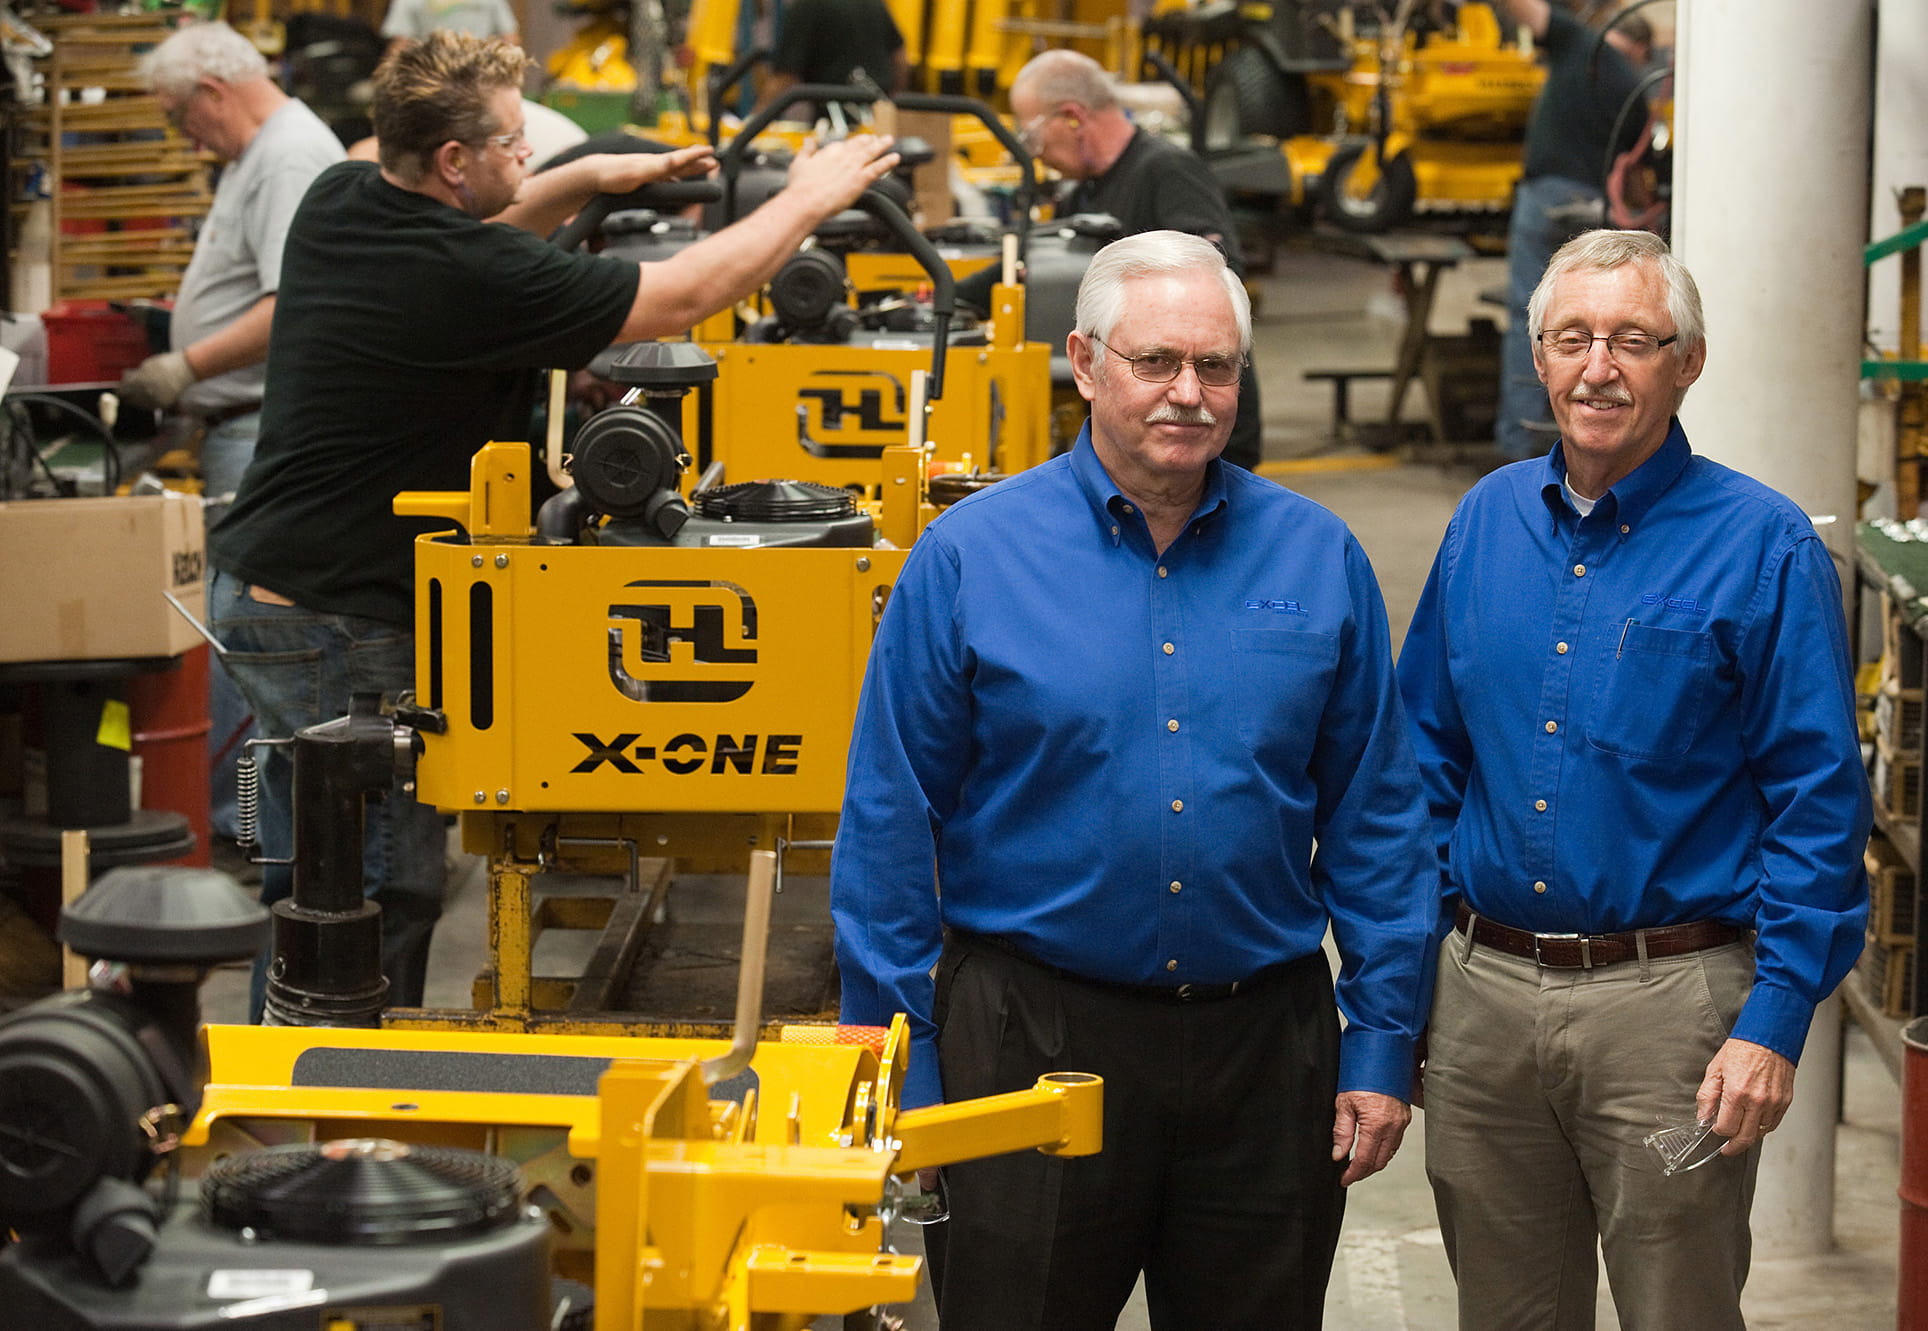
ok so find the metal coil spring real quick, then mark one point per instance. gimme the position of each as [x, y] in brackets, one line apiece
[247, 799]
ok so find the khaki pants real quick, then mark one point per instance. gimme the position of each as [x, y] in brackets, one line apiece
[1540, 1085]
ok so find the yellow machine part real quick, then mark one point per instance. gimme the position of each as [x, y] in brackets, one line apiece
[826, 413]
[539, 657]
[761, 1210]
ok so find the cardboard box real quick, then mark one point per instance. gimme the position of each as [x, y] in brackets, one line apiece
[82, 579]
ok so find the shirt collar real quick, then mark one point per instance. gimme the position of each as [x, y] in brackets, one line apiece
[1634, 493]
[1106, 499]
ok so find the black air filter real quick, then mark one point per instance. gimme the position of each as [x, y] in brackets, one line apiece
[776, 501]
[362, 1191]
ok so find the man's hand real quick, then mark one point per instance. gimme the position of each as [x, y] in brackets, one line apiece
[1368, 1126]
[157, 382]
[619, 173]
[1745, 1093]
[830, 178]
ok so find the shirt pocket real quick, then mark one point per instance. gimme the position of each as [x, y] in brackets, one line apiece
[1280, 681]
[1655, 693]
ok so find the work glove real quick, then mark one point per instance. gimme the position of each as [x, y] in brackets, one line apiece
[157, 382]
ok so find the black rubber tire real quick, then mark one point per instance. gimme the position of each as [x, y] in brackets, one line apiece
[1246, 95]
[1389, 205]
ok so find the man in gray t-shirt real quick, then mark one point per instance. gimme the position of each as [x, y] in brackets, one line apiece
[411, 20]
[214, 87]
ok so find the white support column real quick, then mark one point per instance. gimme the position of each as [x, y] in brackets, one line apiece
[1770, 215]
[1900, 148]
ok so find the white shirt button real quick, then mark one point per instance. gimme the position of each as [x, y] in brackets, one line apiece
[1540, 805]
[1163, 572]
[1169, 649]
[1128, 508]
[1579, 570]
[1539, 887]
[1624, 529]
[1177, 886]
[1561, 648]
[1114, 531]
[1172, 965]
[1178, 806]
[1172, 725]
[1552, 727]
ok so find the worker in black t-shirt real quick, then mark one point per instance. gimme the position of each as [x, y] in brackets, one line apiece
[829, 41]
[1560, 193]
[1069, 117]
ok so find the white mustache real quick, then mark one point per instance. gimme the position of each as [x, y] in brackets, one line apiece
[1614, 396]
[1171, 413]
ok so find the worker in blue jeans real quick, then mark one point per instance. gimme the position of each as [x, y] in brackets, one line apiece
[297, 664]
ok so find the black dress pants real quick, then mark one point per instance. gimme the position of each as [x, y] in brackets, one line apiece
[1216, 1179]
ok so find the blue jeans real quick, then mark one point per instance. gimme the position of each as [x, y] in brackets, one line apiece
[296, 668]
[226, 451]
[1531, 238]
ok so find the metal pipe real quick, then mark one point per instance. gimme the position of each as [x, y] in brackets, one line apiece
[749, 980]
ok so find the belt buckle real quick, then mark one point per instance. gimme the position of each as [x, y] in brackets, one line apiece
[1586, 950]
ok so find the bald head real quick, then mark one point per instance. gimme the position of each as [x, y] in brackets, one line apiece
[1065, 76]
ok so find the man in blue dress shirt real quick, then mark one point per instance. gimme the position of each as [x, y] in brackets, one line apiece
[1631, 697]
[1112, 706]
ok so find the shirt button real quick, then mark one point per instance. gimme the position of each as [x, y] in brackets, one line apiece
[1172, 965]
[1172, 725]
[1540, 805]
[1561, 648]
[1127, 507]
[1169, 649]
[1539, 887]
[1114, 531]
[1579, 570]
[1552, 727]
[1624, 529]
[1162, 571]
[1177, 886]
[1178, 806]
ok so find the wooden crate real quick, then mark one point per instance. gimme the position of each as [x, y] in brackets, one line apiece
[1897, 718]
[1890, 975]
[1892, 893]
[1897, 783]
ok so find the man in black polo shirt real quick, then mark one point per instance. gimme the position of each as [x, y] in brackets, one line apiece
[1068, 116]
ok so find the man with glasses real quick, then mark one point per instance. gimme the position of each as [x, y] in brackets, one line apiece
[1630, 689]
[409, 320]
[213, 87]
[1128, 745]
[1069, 117]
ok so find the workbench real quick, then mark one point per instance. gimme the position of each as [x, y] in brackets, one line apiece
[1417, 259]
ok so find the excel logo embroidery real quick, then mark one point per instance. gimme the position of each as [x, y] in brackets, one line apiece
[691, 641]
[1677, 603]
[851, 414]
[1276, 606]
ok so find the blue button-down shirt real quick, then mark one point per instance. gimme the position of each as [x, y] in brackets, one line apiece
[1119, 762]
[1646, 717]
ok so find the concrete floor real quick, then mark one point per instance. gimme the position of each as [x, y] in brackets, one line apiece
[1318, 311]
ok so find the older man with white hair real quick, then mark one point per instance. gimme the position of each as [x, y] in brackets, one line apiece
[1128, 745]
[1632, 699]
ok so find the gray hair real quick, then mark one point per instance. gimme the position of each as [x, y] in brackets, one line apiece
[201, 51]
[1102, 296]
[1602, 251]
[1067, 76]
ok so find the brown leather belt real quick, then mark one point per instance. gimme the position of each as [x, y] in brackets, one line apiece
[1585, 951]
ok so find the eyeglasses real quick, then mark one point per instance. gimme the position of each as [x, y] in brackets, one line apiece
[176, 115]
[509, 142]
[1031, 133]
[1161, 367]
[1574, 344]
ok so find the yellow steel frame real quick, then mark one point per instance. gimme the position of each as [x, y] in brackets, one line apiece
[685, 1211]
